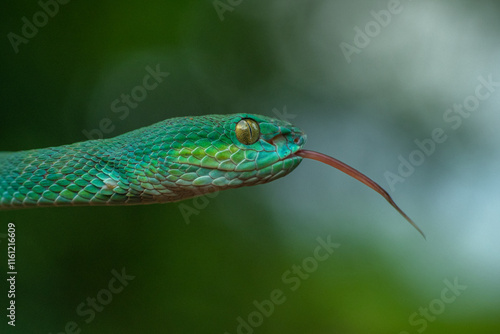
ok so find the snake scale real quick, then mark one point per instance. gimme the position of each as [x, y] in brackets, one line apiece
[173, 160]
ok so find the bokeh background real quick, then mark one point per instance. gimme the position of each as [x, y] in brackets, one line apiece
[283, 59]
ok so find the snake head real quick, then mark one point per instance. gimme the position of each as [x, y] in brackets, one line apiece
[217, 152]
[265, 146]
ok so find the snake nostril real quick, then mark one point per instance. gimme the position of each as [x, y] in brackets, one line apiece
[296, 140]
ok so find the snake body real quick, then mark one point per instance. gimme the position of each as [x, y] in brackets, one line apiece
[169, 161]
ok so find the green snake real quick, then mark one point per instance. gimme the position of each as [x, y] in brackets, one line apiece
[173, 160]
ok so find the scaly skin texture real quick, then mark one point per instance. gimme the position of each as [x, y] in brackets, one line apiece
[169, 161]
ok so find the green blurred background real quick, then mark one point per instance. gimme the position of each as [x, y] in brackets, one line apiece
[265, 57]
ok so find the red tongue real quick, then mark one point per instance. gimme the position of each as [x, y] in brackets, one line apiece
[358, 176]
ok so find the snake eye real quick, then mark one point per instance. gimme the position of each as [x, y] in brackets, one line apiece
[247, 131]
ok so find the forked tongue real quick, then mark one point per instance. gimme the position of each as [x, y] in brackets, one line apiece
[358, 176]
